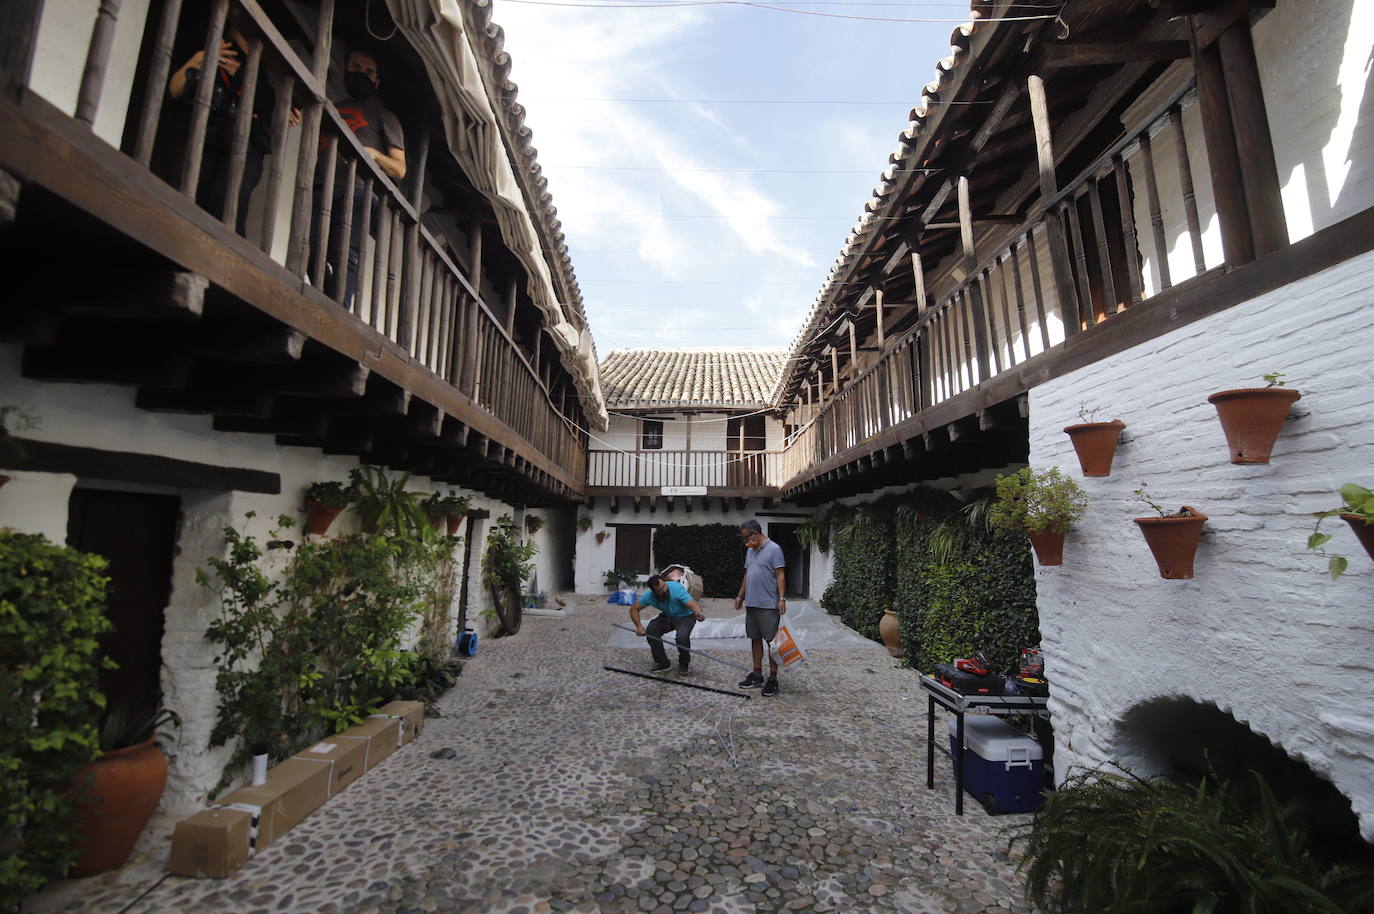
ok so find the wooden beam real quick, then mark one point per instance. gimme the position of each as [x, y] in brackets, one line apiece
[878, 304]
[975, 292]
[1094, 55]
[1223, 157]
[1054, 228]
[149, 469]
[1254, 145]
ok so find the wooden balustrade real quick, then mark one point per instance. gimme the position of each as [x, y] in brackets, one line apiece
[406, 287]
[1087, 252]
[655, 468]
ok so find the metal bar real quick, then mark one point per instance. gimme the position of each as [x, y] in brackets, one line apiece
[677, 682]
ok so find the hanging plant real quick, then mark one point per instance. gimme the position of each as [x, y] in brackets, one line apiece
[1251, 417]
[1172, 536]
[584, 523]
[1043, 504]
[533, 524]
[1094, 442]
[323, 502]
[1358, 512]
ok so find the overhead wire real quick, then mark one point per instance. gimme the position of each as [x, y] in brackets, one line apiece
[670, 4]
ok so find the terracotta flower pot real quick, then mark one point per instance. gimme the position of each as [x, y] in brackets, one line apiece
[1251, 417]
[890, 628]
[125, 787]
[454, 523]
[1364, 531]
[1173, 540]
[1048, 545]
[1095, 443]
[318, 517]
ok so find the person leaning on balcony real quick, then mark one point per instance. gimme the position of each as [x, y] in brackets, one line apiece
[678, 612]
[761, 597]
[216, 161]
[377, 129]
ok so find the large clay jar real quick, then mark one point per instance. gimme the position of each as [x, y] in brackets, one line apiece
[1173, 540]
[1048, 545]
[125, 787]
[890, 628]
[318, 517]
[1251, 417]
[1364, 531]
[1095, 444]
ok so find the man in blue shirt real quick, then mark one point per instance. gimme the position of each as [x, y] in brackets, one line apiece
[679, 612]
[760, 596]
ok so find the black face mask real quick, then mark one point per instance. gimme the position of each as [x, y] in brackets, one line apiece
[358, 85]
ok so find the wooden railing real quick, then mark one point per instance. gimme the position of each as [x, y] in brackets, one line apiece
[408, 288]
[653, 468]
[1071, 265]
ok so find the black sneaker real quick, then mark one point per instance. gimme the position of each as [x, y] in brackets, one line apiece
[682, 670]
[771, 686]
[661, 667]
[752, 681]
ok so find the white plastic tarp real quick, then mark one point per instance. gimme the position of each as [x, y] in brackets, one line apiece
[811, 626]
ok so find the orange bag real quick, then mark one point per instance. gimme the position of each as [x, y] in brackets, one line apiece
[786, 650]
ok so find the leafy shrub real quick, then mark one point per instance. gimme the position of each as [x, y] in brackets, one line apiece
[1037, 501]
[711, 550]
[428, 680]
[861, 590]
[617, 578]
[1116, 842]
[52, 602]
[333, 494]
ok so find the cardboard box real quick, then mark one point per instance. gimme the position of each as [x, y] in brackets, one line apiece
[213, 842]
[411, 713]
[383, 735]
[347, 758]
[302, 788]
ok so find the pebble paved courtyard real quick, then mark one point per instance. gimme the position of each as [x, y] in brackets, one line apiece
[576, 789]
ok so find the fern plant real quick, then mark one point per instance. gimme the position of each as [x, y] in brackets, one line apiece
[1111, 841]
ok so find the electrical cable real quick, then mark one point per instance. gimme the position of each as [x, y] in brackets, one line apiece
[670, 4]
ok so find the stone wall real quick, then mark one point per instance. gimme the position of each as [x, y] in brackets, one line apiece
[1262, 631]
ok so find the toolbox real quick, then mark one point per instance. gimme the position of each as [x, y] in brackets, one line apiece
[1004, 769]
[966, 683]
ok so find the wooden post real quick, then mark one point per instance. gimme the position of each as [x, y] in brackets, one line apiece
[475, 254]
[1185, 181]
[853, 351]
[1258, 171]
[276, 169]
[1054, 228]
[302, 204]
[325, 215]
[878, 306]
[1223, 158]
[98, 61]
[18, 38]
[243, 122]
[512, 297]
[978, 312]
[918, 281]
[834, 370]
[200, 116]
[324, 29]
[345, 232]
[155, 90]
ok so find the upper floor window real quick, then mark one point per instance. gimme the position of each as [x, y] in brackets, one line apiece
[651, 435]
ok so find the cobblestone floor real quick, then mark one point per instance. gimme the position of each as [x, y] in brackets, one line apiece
[576, 789]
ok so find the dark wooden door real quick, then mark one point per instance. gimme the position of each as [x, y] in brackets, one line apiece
[798, 559]
[136, 533]
[632, 548]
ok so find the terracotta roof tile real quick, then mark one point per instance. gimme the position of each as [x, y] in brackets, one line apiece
[690, 377]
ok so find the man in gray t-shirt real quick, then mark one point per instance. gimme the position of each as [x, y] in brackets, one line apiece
[761, 598]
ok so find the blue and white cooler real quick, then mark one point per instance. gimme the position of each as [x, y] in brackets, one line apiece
[1004, 769]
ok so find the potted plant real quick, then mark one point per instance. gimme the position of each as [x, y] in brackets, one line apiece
[116, 795]
[533, 524]
[1252, 416]
[601, 536]
[584, 523]
[455, 509]
[618, 579]
[386, 506]
[323, 502]
[1044, 504]
[1094, 442]
[1172, 537]
[1357, 511]
[435, 511]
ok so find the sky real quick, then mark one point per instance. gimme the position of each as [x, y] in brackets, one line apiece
[696, 216]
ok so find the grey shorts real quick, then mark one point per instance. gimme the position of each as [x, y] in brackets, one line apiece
[761, 623]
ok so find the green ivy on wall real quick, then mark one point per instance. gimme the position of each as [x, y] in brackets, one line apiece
[957, 585]
[52, 612]
[713, 551]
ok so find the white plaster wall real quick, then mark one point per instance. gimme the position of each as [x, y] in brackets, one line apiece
[1315, 67]
[1262, 631]
[64, 37]
[105, 417]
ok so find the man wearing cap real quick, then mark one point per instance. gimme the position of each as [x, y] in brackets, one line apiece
[679, 614]
[760, 595]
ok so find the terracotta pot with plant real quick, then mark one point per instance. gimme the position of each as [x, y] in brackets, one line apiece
[323, 502]
[1172, 536]
[116, 795]
[1094, 442]
[1043, 504]
[1251, 417]
[455, 510]
[1357, 510]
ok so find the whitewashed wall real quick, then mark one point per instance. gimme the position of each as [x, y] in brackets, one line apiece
[1261, 632]
[103, 416]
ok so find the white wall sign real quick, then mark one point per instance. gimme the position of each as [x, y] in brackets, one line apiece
[683, 490]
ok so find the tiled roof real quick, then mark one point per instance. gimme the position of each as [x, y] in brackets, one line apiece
[690, 377]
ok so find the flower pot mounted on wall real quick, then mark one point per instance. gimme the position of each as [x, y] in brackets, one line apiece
[318, 517]
[1364, 531]
[1173, 540]
[1095, 443]
[1251, 417]
[1048, 545]
[454, 523]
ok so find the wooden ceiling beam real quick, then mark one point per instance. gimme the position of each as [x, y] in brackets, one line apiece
[1097, 55]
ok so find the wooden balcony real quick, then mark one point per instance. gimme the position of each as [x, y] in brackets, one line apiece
[734, 474]
[205, 311]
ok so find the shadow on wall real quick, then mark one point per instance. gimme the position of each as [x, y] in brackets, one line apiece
[1191, 739]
